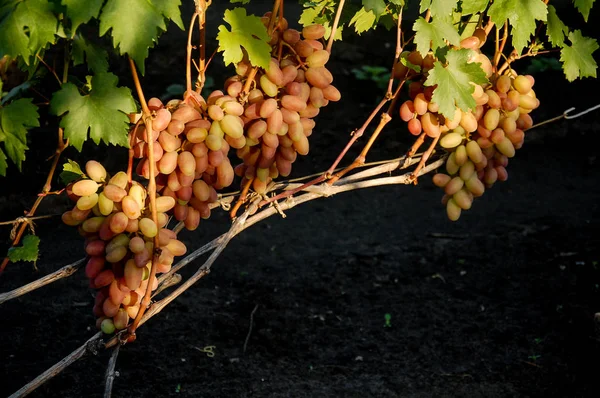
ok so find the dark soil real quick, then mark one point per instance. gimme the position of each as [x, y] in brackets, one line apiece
[501, 303]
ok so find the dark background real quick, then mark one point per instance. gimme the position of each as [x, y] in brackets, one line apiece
[500, 303]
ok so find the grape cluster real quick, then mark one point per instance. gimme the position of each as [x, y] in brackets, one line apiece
[480, 141]
[113, 215]
[285, 98]
[191, 143]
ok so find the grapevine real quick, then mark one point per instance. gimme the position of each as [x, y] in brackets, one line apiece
[454, 85]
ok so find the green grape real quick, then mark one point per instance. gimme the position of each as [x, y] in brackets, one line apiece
[107, 326]
[95, 171]
[116, 254]
[450, 140]
[148, 227]
[232, 126]
[453, 210]
[105, 205]
[453, 186]
[85, 187]
[463, 199]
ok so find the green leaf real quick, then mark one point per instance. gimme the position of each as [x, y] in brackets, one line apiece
[247, 31]
[363, 20]
[577, 58]
[3, 163]
[136, 24]
[584, 7]
[170, 9]
[438, 7]
[71, 172]
[15, 119]
[96, 56]
[454, 88]
[29, 251]
[80, 12]
[434, 35]
[103, 111]
[27, 29]
[521, 15]
[239, 1]
[377, 6]
[556, 29]
[473, 6]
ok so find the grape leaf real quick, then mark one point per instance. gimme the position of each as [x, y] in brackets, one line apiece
[377, 6]
[577, 58]
[454, 88]
[584, 7]
[438, 7]
[363, 20]
[29, 251]
[434, 35]
[3, 163]
[103, 111]
[80, 12]
[15, 119]
[135, 25]
[71, 172]
[96, 56]
[521, 15]
[556, 29]
[247, 31]
[473, 6]
[27, 28]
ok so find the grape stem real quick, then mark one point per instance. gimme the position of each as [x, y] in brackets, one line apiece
[360, 160]
[46, 190]
[242, 198]
[334, 27]
[514, 55]
[398, 51]
[201, 7]
[152, 195]
[273, 17]
[500, 43]
[424, 159]
[130, 151]
[415, 146]
[189, 47]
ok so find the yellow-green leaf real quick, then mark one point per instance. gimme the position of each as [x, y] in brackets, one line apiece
[453, 80]
[247, 31]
